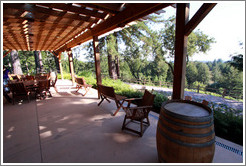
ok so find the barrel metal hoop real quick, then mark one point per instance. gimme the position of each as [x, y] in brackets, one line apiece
[206, 144]
[189, 118]
[186, 134]
[186, 125]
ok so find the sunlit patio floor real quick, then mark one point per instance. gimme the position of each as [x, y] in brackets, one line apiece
[70, 128]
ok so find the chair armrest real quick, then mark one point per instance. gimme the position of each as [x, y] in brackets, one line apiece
[132, 99]
[133, 108]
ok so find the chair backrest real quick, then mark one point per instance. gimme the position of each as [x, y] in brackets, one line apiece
[43, 85]
[41, 77]
[205, 102]
[148, 99]
[15, 77]
[188, 98]
[29, 77]
[83, 81]
[107, 91]
[17, 88]
[78, 80]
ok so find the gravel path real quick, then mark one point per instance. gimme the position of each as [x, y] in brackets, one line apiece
[198, 96]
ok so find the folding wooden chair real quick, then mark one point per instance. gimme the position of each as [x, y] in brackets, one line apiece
[108, 92]
[81, 83]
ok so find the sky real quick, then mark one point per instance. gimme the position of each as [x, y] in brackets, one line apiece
[225, 22]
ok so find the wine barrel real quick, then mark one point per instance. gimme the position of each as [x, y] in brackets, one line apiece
[185, 132]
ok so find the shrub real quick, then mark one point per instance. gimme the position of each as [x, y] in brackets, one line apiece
[66, 76]
[159, 99]
[228, 122]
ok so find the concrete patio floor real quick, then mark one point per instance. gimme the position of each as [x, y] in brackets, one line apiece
[70, 128]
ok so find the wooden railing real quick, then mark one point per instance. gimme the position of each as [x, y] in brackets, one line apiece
[225, 93]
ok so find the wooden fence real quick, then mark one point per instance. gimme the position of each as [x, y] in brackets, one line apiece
[233, 93]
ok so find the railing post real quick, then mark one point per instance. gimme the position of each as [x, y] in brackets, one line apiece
[198, 87]
[224, 93]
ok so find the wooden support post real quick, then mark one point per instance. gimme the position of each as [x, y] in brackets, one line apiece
[182, 17]
[97, 61]
[70, 59]
[60, 66]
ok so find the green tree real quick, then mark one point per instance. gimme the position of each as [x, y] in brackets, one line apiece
[237, 62]
[191, 73]
[216, 74]
[203, 75]
[27, 62]
[232, 81]
[197, 40]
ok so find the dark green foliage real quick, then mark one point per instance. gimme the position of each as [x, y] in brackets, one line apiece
[228, 124]
[237, 62]
[191, 73]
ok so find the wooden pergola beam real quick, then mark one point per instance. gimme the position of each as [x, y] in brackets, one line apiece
[36, 10]
[99, 8]
[6, 53]
[182, 17]
[198, 17]
[74, 9]
[132, 12]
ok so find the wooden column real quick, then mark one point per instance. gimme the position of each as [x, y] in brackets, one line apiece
[70, 59]
[182, 16]
[97, 61]
[60, 65]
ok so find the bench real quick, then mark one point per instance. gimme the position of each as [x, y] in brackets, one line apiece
[107, 92]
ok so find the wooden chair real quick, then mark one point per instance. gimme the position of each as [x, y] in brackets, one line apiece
[140, 112]
[108, 92]
[18, 89]
[42, 89]
[41, 77]
[15, 77]
[205, 102]
[29, 77]
[81, 83]
[188, 98]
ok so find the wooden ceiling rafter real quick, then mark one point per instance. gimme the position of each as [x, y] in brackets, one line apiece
[36, 10]
[10, 43]
[74, 9]
[15, 39]
[66, 33]
[93, 6]
[58, 19]
[66, 39]
[74, 37]
[58, 26]
[132, 12]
